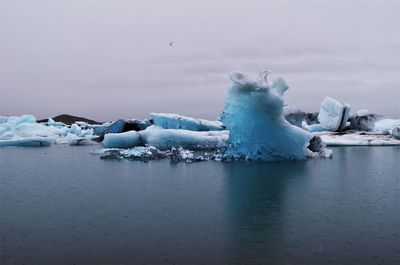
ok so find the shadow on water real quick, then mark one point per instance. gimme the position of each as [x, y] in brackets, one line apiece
[256, 195]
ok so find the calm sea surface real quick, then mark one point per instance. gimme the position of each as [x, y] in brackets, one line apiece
[62, 205]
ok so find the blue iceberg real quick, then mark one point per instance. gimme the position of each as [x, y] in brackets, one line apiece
[253, 114]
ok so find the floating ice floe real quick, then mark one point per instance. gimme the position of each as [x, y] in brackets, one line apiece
[358, 139]
[253, 114]
[29, 141]
[24, 131]
[122, 140]
[175, 121]
[168, 138]
[333, 114]
[386, 125]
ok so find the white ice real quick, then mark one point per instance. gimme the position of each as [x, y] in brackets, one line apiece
[386, 125]
[333, 114]
[167, 138]
[253, 114]
[175, 121]
[358, 138]
[25, 131]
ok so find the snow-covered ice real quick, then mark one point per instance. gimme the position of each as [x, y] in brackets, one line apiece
[333, 114]
[175, 121]
[253, 114]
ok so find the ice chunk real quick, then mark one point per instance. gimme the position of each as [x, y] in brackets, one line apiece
[75, 129]
[30, 141]
[51, 122]
[386, 125]
[122, 140]
[396, 132]
[333, 114]
[167, 138]
[3, 119]
[175, 121]
[253, 114]
[115, 127]
[312, 127]
[362, 120]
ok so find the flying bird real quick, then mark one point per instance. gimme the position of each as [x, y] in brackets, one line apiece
[171, 43]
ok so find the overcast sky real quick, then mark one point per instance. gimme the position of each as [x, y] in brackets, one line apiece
[112, 59]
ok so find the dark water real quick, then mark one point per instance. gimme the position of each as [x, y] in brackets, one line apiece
[61, 205]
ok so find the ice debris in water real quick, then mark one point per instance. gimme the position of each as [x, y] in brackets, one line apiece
[253, 114]
[147, 153]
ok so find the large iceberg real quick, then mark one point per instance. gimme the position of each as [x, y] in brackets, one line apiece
[175, 121]
[333, 114]
[253, 114]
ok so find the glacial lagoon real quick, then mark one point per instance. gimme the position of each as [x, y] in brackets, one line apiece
[63, 205]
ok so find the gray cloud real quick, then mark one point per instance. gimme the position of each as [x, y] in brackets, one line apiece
[106, 59]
